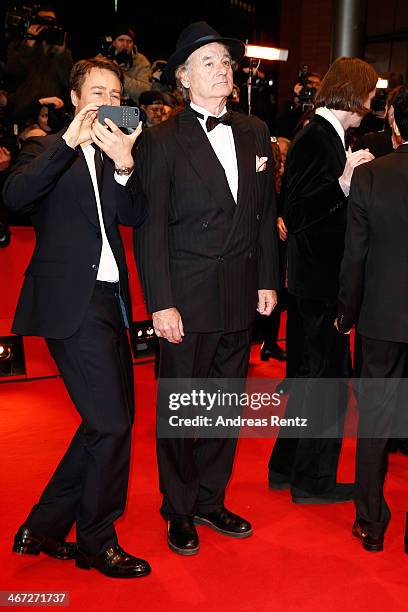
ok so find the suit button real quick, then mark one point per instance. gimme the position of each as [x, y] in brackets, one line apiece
[204, 224]
[220, 259]
[94, 267]
[98, 235]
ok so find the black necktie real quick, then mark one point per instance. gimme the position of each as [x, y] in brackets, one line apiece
[98, 166]
[212, 122]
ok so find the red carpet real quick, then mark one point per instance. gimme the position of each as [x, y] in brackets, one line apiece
[299, 558]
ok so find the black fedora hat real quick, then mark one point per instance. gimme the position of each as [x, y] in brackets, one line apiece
[197, 35]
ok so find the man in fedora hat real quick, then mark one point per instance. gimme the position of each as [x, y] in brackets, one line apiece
[208, 260]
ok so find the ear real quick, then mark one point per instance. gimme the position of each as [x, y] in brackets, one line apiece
[74, 98]
[184, 78]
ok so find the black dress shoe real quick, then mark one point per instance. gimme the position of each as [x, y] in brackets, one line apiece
[277, 481]
[28, 543]
[182, 536]
[283, 387]
[272, 351]
[115, 563]
[224, 521]
[368, 542]
[340, 493]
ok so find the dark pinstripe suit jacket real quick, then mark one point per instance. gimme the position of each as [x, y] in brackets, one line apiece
[198, 250]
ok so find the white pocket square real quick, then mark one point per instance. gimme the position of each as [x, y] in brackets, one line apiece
[260, 164]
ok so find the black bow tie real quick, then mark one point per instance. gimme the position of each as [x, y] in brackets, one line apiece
[212, 122]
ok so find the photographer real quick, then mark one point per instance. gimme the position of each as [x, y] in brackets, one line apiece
[135, 65]
[38, 61]
[303, 96]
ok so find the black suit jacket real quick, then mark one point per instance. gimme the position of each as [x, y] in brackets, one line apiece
[198, 250]
[374, 271]
[52, 182]
[314, 210]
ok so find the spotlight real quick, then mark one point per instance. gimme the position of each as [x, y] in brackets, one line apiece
[257, 52]
[142, 337]
[266, 53]
[5, 352]
[382, 83]
[11, 356]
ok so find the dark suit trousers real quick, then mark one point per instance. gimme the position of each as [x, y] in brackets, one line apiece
[310, 464]
[193, 473]
[380, 414]
[89, 486]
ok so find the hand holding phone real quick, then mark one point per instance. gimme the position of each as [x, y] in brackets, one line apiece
[122, 116]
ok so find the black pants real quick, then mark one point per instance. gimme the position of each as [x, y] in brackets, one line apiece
[193, 473]
[89, 486]
[294, 337]
[382, 408]
[310, 464]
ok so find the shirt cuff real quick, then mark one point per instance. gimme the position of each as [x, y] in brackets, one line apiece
[122, 179]
[344, 187]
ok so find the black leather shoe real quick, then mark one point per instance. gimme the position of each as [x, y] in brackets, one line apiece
[182, 536]
[277, 481]
[283, 387]
[368, 542]
[224, 521]
[272, 351]
[340, 493]
[28, 543]
[115, 563]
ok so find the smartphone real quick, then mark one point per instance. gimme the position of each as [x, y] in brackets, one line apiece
[122, 116]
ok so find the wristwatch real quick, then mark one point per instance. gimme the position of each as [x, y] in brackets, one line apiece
[124, 171]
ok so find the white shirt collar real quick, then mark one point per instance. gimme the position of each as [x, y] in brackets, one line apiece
[205, 112]
[327, 114]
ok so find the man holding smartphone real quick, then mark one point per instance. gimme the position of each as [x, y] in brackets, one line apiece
[75, 294]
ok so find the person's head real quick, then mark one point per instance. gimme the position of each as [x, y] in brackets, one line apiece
[202, 63]
[207, 73]
[389, 105]
[123, 38]
[42, 119]
[314, 80]
[348, 85]
[152, 102]
[95, 80]
[400, 105]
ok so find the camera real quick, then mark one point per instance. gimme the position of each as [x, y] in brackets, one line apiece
[307, 94]
[20, 18]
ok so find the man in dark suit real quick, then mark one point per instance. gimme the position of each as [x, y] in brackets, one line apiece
[315, 190]
[76, 295]
[208, 259]
[373, 293]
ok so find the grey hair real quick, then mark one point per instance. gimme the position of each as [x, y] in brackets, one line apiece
[180, 70]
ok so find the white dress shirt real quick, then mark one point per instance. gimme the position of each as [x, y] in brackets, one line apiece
[108, 269]
[326, 113]
[222, 141]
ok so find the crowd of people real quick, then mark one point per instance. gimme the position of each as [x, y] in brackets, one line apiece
[226, 218]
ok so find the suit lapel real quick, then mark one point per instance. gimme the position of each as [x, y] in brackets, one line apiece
[244, 147]
[199, 151]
